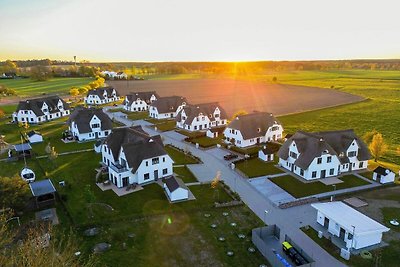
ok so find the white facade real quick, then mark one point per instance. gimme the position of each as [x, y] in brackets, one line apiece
[35, 138]
[265, 156]
[95, 130]
[178, 194]
[153, 113]
[150, 170]
[212, 134]
[29, 116]
[389, 177]
[357, 230]
[201, 122]
[94, 99]
[235, 137]
[114, 75]
[138, 104]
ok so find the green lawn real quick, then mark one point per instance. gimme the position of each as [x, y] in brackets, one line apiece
[389, 255]
[205, 141]
[185, 174]
[299, 189]
[190, 134]
[249, 151]
[254, 167]
[138, 115]
[27, 87]
[390, 213]
[380, 111]
[179, 157]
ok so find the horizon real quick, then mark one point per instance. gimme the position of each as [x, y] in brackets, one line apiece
[182, 31]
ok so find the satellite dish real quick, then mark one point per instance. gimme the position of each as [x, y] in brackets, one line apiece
[28, 175]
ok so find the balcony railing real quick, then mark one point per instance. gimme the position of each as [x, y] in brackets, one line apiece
[118, 168]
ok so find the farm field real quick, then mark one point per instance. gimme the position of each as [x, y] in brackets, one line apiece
[236, 95]
[29, 88]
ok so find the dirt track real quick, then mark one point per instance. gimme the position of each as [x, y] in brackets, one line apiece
[234, 95]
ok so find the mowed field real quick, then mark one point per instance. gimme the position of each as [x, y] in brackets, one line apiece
[247, 95]
[28, 88]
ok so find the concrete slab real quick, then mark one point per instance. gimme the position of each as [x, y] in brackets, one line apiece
[270, 190]
[330, 181]
[47, 215]
[355, 202]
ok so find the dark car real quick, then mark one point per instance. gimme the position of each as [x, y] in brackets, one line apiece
[230, 157]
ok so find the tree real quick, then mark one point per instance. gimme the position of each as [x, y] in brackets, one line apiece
[53, 154]
[378, 147]
[274, 79]
[239, 113]
[74, 92]
[398, 150]
[10, 66]
[5, 91]
[14, 192]
[367, 137]
[47, 149]
[2, 113]
[40, 73]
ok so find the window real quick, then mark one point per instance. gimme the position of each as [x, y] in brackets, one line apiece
[352, 154]
[95, 125]
[147, 163]
[301, 172]
[361, 165]
[155, 161]
[329, 159]
[146, 176]
[25, 112]
[293, 154]
[163, 159]
[314, 174]
[164, 171]
[331, 171]
[319, 160]
[106, 133]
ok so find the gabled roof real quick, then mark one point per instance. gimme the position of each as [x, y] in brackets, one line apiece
[32, 133]
[42, 187]
[173, 184]
[100, 92]
[136, 143]
[145, 96]
[207, 109]
[312, 145]
[348, 217]
[254, 124]
[36, 105]
[22, 147]
[168, 104]
[382, 171]
[83, 116]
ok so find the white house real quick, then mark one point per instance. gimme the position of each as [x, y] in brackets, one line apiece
[41, 110]
[139, 101]
[114, 75]
[201, 117]
[167, 107]
[323, 154]
[252, 129]
[383, 175]
[176, 190]
[214, 132]
[134, 157]
[102, 95]
[266, 154]
[89, 124]
[34, 137]
[357, 230]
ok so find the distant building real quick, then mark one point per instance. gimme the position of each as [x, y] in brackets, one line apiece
[266, 154]
[101, 96]
[139, 101]
[34, 137]
[252, 129]
[41, 110]
[134, 157]
[323, 154]
[175, 189]
[201, 117]
[167, 107]
[89, 124]
[114, 75]
[383, 175]
[354, 228]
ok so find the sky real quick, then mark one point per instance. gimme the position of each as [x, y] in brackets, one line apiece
[201, 30]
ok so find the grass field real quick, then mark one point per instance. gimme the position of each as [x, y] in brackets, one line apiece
[29, 88]
[185, 174]
[299, 189]
[255, 167]
[179, 157]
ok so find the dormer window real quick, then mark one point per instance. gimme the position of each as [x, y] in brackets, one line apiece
[258, 130]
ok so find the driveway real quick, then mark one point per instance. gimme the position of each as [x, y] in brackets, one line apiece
[271, 191]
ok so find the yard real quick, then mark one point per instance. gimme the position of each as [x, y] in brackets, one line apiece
[254, 167]
[185, 174]
[205, 141]
[299, 189]
[29, 88]
[179, 157]
[137, 115]
[164, 124]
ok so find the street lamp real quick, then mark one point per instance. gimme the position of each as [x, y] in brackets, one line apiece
[334, 189]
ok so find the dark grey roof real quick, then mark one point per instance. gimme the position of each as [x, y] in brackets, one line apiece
[381, 170]
[207, 109]
[268, 151]
[42, 187]
[312, 145]
[36, 105]
[137, 145]
[82, 116]
[169, 103]
[145, 96]
[171, 183]
[22, 147]
[32, 133]
[100, 92]
[254, 124]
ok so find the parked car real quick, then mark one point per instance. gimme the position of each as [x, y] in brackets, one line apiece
[230, 156]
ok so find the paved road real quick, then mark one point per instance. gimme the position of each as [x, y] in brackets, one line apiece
[288, 220]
